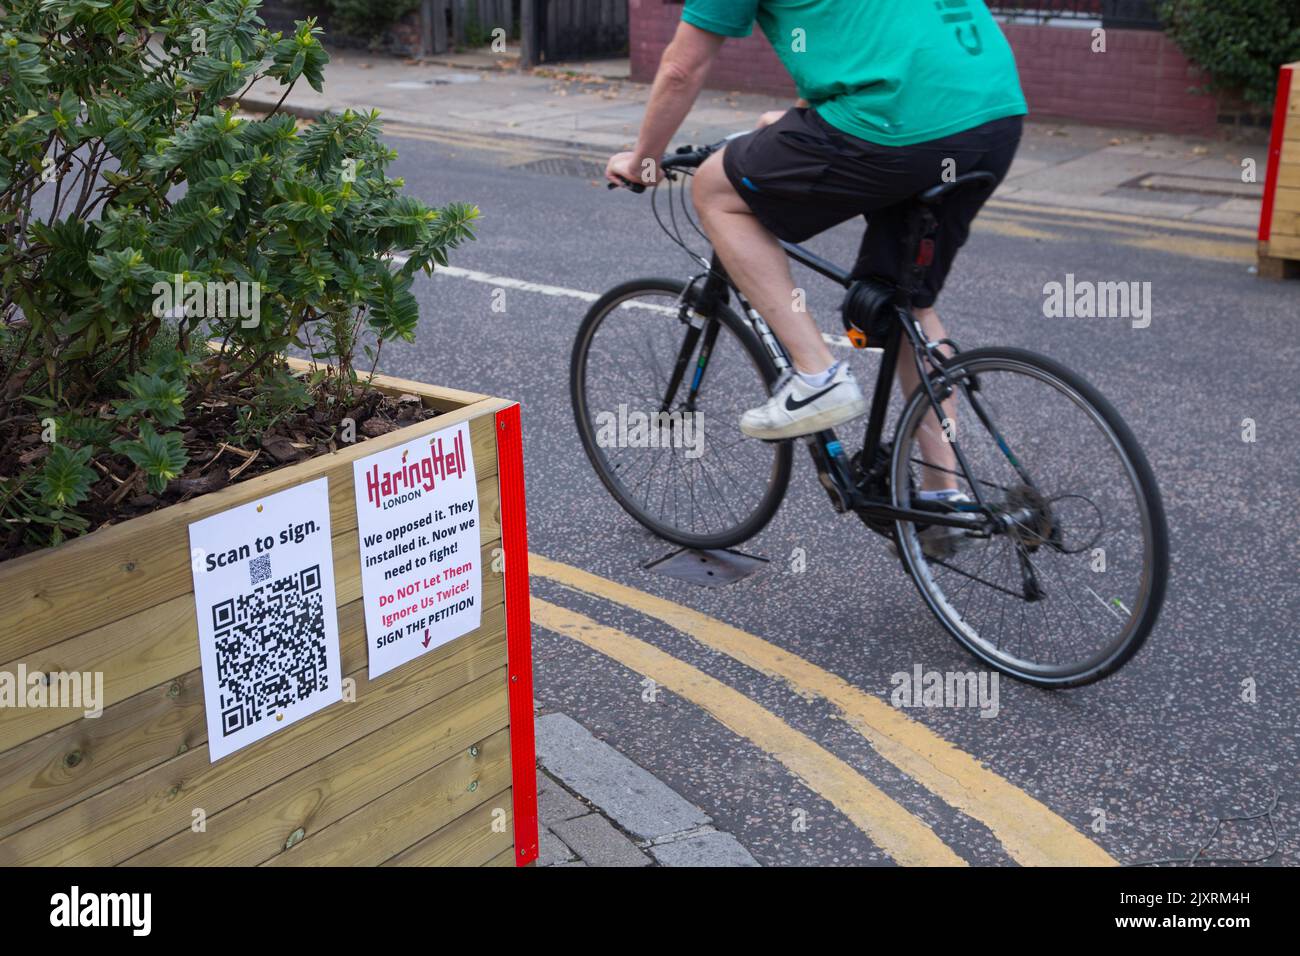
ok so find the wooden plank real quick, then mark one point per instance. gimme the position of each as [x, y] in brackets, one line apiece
[1291, 131]
[1271, 267]
[470, 840]
[458, 22]
[412, 811]
[504, 858]
[122, 821]
[440, 10]
[528, 38]
[1288, 173]
[1284, 247]
[1287, 200]
[380, 769]
[127, 568]
[1286, 223]
[431, 396]
[69, 764]
[151, 647]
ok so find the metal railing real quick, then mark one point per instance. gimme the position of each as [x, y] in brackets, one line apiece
[1120, 14]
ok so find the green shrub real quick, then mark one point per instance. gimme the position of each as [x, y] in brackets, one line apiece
[1239, 43]
[122, 177]
[369, 18]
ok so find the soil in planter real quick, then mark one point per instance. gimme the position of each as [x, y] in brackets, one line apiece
[215, 461]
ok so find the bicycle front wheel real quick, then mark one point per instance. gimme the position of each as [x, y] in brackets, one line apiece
[677, 463]
[1070, 588]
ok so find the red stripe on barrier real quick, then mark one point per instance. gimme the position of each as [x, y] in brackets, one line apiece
[1275, 153]
[519, 635]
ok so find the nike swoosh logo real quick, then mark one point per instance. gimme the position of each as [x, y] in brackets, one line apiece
[791, 405]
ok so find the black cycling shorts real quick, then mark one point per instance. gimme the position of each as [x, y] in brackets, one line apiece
[801, 176]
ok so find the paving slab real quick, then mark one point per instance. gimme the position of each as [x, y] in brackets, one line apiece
[598, 843]
[709, 847]
[551, 850]
[630, 795]
[555, 804]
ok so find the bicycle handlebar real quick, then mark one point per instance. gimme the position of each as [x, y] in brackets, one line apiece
[684, 157]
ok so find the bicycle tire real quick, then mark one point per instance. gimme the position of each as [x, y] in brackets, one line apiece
[977, 361]
[779, 479]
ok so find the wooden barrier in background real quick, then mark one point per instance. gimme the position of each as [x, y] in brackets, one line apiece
[1279, 220]
[432, 764]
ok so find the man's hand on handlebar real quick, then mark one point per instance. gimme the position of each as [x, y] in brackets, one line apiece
[628, 169]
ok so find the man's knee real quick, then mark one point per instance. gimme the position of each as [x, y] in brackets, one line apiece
[711, 190]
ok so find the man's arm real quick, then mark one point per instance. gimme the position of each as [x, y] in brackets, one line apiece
[678, 82]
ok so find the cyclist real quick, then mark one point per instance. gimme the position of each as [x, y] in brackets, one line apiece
[895, 96]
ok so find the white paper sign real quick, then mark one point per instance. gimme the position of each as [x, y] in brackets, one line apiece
[268, 624]
[418, 527]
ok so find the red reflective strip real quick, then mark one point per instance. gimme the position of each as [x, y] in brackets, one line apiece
[925, 254]
[519, 635]
[1275, 153]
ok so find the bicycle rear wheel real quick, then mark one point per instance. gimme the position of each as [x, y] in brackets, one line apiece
[1071, 590]
[679, 466]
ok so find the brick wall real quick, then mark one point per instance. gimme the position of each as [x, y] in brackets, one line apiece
[749, 65]
[1141, 80]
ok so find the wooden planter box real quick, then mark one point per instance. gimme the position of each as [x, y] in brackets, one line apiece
[432, 764]
[1279, 220]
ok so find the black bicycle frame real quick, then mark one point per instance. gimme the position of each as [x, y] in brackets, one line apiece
[710, 291]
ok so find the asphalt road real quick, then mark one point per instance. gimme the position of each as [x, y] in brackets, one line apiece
[1162, 749]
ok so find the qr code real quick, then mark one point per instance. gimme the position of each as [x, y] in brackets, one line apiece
[259, 569]
[270, 646]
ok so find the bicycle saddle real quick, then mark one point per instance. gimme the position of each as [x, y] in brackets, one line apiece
[936, 194]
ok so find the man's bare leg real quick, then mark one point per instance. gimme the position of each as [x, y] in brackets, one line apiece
[758, 265]
[934, 449]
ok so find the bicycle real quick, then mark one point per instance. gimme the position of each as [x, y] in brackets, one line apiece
[1029, 535]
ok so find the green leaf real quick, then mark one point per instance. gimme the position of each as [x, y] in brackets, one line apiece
[65, 480]
[162, 399]
[160, 457]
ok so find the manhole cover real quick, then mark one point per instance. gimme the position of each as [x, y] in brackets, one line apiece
[709, 569]
[564, 166]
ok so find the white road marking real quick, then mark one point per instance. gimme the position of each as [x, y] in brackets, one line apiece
[523, 285]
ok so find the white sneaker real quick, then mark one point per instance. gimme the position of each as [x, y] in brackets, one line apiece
[798, 408]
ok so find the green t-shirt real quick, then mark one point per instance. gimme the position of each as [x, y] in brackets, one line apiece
[892, 72]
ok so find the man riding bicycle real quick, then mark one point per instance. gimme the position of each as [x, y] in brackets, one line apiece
[895, 97]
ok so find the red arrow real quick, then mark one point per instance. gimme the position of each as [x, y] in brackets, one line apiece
[427, 638]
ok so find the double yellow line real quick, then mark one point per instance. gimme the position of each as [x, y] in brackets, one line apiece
[1030, 832]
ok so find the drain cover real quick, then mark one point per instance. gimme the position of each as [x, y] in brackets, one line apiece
[442, 79]
[710, 569]
[1207, 185]
[564, 166]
